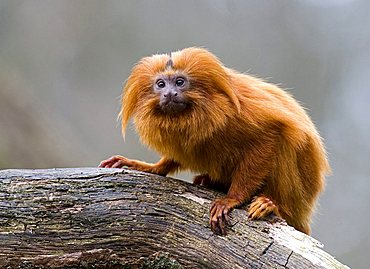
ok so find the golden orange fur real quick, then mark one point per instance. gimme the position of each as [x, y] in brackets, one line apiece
[243, 135]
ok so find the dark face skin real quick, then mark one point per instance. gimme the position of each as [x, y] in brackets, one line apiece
[171, 92]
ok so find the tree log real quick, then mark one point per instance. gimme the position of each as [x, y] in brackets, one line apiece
[119, 218]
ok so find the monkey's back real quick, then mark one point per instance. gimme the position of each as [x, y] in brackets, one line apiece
[301, 163]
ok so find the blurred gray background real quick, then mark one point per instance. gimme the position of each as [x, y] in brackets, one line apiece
[62, 65]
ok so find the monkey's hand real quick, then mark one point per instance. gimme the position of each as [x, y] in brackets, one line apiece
[261, 207]
[219, 214]
[117, 162]
[163, 167]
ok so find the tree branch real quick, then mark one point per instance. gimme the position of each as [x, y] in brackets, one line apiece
[114, 218]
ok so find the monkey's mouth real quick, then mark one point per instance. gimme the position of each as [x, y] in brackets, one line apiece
[173, 106]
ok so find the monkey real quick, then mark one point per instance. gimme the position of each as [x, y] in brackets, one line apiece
[247, 137]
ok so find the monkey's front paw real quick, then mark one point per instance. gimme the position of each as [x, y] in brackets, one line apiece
[115, 162]
[219, 214]
[261, 207]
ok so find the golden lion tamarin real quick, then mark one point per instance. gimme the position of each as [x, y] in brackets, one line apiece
[242, 135]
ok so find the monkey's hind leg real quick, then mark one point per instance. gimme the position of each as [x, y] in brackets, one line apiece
[261, 207]
[202, 180]
[206, 181]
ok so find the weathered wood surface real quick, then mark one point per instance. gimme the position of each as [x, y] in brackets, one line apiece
[114, 218]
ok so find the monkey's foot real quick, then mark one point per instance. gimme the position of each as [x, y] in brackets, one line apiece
[203, 180]
[261, 207]
[219, 214]
[116, 162]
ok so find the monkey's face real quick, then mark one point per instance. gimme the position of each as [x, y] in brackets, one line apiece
[171, 90]
[186, 93]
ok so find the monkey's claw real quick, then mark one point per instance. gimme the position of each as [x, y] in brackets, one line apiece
[261, 207]
[219, 211]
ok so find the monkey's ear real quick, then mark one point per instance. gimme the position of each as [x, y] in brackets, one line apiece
[232, 95]
[223, 83]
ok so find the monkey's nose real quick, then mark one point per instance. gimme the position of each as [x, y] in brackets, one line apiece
[170, 94]
[172, 102]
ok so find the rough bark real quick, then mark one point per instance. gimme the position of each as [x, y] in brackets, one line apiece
[114, 218]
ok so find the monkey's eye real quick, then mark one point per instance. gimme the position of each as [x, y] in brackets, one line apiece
[180, 82]
[160, 83]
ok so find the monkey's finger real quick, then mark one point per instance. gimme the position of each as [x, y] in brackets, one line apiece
[220, 210]
[215, 212]
[253, 213]
[256, 214]
[213, 207]
[253, 208]
[221, 219]
[259, 214]
[221, 227]
[103, 163]
[213, 215]
[222, 224]
[106, 165]
[225, 213]
[216, 229]
[214, 225]
[117, 164]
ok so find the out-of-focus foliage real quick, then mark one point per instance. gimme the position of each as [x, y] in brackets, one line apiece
[62, 64]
